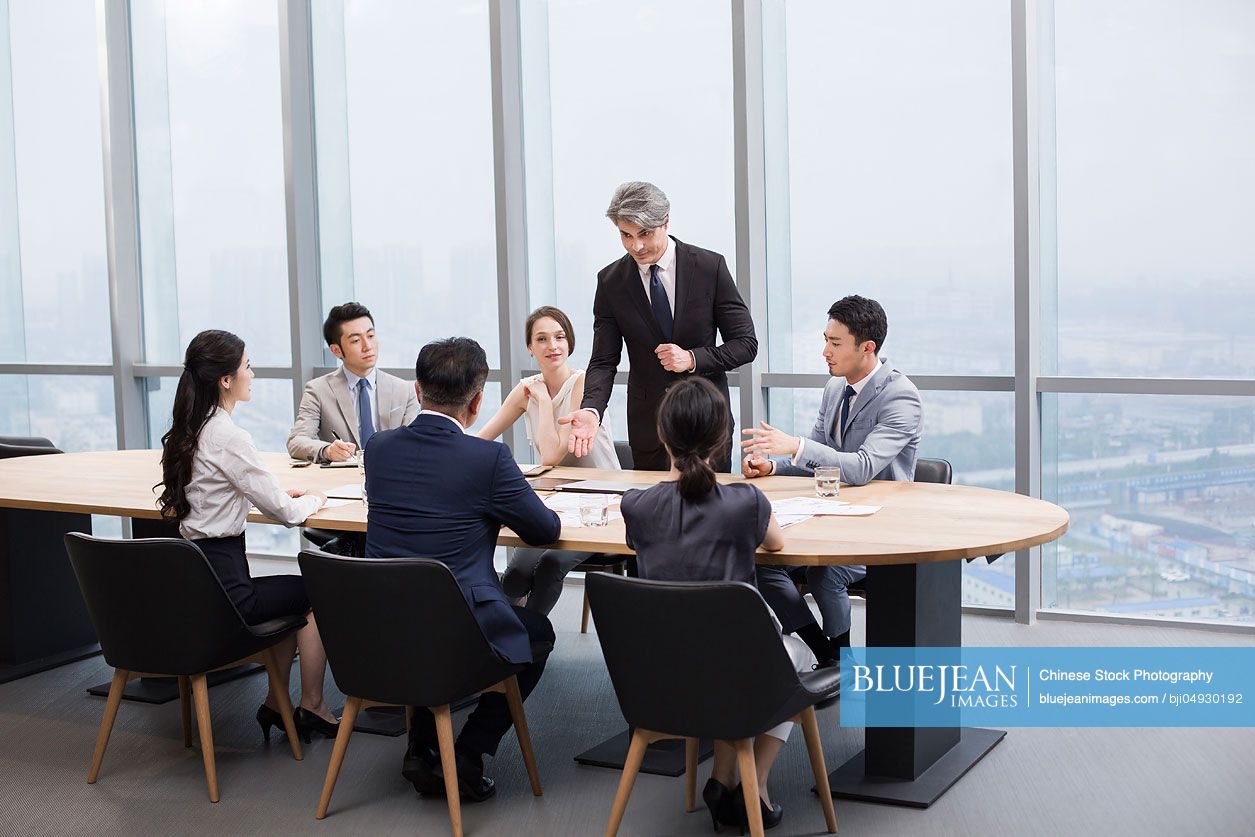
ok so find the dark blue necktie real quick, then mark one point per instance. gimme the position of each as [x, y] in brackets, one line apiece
[845, 410]
[366, 424]
[659, 301]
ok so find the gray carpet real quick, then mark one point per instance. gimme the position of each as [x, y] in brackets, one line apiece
[1038, 781]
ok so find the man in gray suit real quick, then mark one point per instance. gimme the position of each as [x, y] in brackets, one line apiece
[341, 410]
[868, 426]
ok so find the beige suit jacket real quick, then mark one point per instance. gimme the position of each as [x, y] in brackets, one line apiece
[328, 406]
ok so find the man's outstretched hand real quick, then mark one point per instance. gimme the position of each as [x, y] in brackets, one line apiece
[584, 425]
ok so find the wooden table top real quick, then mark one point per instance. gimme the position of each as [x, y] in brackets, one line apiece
[917, 522]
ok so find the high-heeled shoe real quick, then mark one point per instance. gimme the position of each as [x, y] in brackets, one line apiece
[307, 722]
[771, 816]
[267, 718]
[715, 795]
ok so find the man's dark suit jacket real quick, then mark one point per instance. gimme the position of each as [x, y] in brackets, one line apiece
[706, 300]
[436, 492]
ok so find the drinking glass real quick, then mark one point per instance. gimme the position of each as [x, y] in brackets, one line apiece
[593, 511]
[828, 481]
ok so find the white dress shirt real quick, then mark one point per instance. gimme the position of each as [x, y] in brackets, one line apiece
[666, 274]
[228, 476]
[838, 431]
[372, 394]
[461, 426]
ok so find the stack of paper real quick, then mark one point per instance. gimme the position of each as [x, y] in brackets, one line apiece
[796, 509]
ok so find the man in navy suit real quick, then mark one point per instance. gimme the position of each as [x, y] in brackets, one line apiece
[438, 492]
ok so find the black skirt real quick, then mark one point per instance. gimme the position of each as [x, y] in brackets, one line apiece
[258, 599]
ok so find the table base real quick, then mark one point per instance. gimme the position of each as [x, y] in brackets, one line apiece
[159, 690]
[850, 780]
[662, 758]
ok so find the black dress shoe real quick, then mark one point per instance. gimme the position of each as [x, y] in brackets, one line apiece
[771, 816]
[308, 723]
[267, 718]
[419, 769]
[715, 795]
[473, 785]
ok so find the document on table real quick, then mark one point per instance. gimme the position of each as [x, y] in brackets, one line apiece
[803, 507]
[568, 508]
[336, 502]
[351, 491]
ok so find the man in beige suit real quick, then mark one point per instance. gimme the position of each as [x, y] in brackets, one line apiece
[341, 410]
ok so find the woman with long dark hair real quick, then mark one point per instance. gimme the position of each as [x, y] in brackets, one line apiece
[694, 528]
[211, 473]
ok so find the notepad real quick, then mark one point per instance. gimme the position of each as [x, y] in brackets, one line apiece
[352, 491]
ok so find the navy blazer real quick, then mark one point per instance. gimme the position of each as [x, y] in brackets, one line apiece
[436, 492]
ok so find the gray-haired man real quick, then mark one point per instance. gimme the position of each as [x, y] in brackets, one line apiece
[665, 300]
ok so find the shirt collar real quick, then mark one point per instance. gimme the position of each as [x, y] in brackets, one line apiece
[858, 388]
[443, 415]
[666, 264]
[353, 379]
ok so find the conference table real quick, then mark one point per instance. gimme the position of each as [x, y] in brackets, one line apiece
[913, 548]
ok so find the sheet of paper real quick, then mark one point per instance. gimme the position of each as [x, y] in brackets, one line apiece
[807, 505]
[336, 502]
[351, 491]
[854, 511]
[348, 463]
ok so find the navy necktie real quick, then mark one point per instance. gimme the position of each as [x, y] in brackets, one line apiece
[365, 423]
[845, 410]
[659, 302]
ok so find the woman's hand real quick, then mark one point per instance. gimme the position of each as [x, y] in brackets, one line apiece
[538, 392]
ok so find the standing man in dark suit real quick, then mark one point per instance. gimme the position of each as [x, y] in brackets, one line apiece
[665, 299]
[439, 492]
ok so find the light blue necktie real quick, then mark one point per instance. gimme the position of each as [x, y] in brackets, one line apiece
[365, 423]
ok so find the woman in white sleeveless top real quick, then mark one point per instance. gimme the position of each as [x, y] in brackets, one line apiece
[541, 400]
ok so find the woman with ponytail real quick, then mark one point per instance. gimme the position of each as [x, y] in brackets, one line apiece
[211, 473]
[694, 528]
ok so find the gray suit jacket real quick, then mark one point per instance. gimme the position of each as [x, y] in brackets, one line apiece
[327, 405]
[882, 434]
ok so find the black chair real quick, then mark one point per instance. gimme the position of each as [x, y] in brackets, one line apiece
[605, 562]
[14, 446]
[707, 663]
[160, 611]
[398, 632]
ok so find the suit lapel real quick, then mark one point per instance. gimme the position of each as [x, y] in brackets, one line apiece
[630, 276]
[345, 402]
[683, 283]
[869, 393]
[383, 398]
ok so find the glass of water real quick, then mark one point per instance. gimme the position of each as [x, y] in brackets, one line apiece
[593, 510]
[828, 481]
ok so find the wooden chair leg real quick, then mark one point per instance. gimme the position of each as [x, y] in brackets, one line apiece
[584, 616]
[351, 708]
[514, 699]
[749, 784]
[690, 774]
[185, 706]
[636, 755]
[280, 690]
[200, 696]
[815, 748]
[112, 703]
[448, 763]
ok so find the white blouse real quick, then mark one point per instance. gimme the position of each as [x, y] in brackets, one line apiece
[601, 455]
[228, 476]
